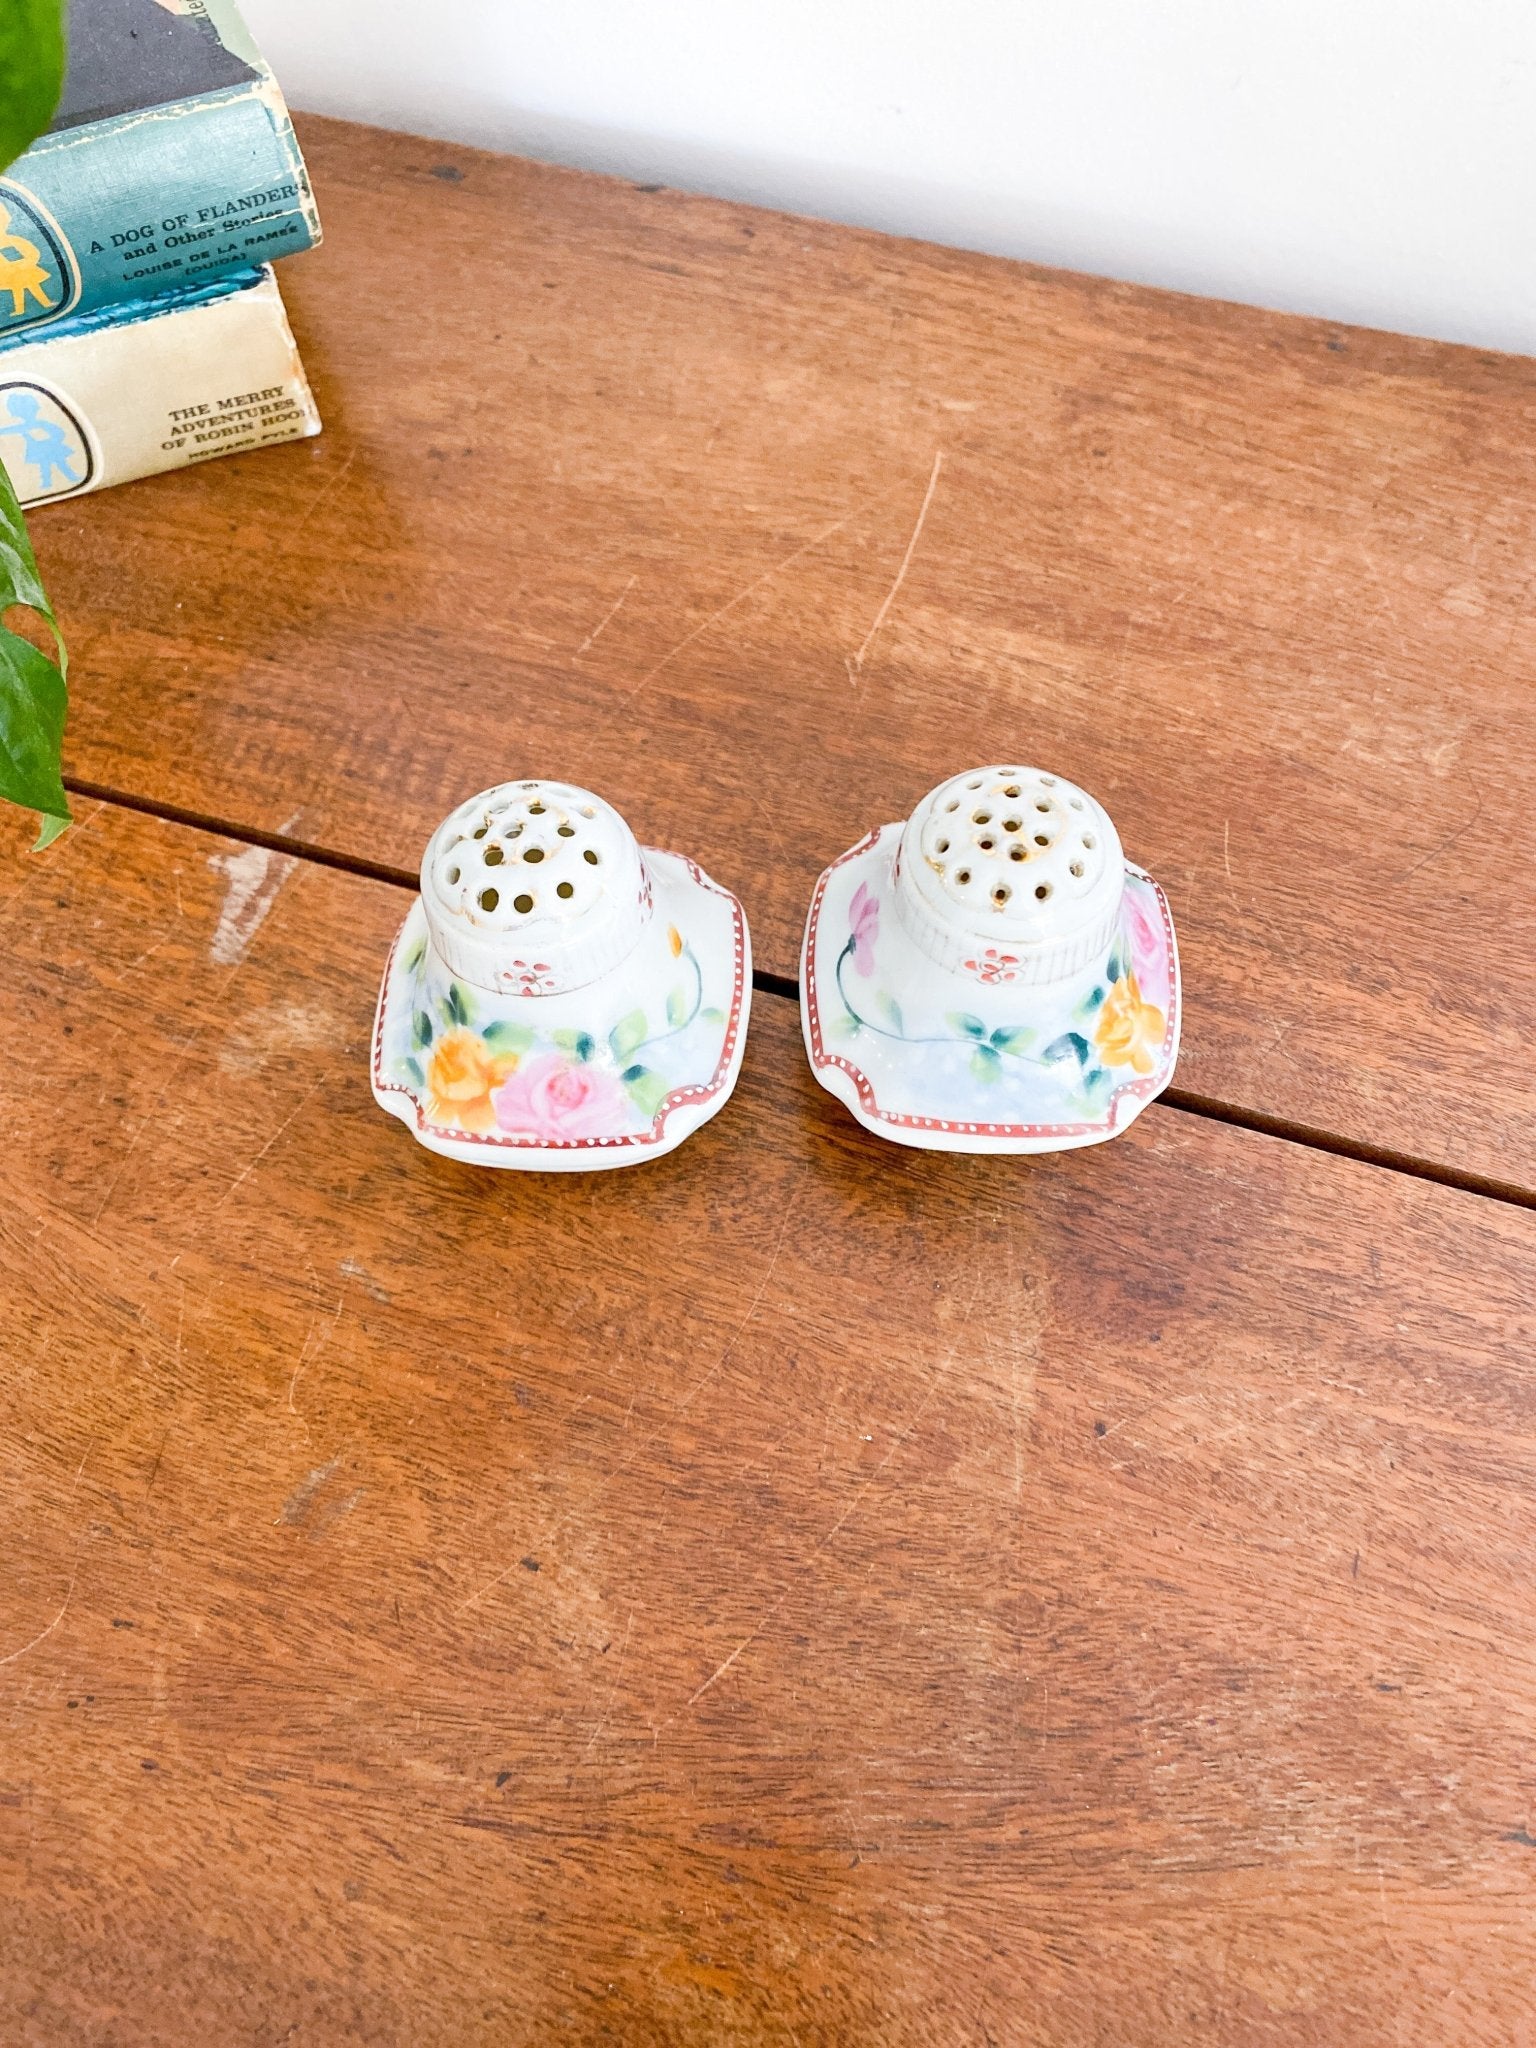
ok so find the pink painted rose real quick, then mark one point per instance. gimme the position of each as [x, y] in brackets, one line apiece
[994, 967]
[864, 918]
[553, 1097]
[1149, 952]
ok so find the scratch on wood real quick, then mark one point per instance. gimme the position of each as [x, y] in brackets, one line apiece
[857, 662]
[805, 547]
[606, 620]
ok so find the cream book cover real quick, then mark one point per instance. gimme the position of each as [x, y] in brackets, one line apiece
[174, 381]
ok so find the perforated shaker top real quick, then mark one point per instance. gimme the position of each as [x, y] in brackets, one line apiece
[1012, 858]
[534, 886]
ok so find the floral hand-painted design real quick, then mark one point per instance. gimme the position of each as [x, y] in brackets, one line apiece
[555, 1097]
[461, 1075]
[993, 967]
[547, 1087]
[1120, 1026]
[534, 977]
[864, 914]
[1130, 1031]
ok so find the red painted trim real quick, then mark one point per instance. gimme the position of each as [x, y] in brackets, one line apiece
[506, 1142]
[1144, 1088]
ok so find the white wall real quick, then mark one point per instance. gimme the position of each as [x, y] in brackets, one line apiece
[1368, 160]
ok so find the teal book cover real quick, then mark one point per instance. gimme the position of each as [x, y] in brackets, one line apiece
[171, 160]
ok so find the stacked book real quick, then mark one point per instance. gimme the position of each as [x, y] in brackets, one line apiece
[140, 323]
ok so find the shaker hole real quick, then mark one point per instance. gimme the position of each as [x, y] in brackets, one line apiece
[489, 898]
[1018, 853]
[564, 891]
[1000, 896]
[494, 856]
[964, 875]
[453, 876]
[981, 817]
[1012, 789]
[1042, 839]
[1042, 890]
[523, 903]
[590, 857]
[1077, 869]
[1089, 841]
[1041, 804]
[533, 855]
[536, 808]
[566, 831]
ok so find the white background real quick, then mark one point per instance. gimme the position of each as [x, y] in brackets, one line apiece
[1367, 160]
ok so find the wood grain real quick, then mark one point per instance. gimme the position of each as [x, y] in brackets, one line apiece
[617, 484]
[797, 1590]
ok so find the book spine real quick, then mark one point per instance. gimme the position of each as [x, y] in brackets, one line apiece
[172, 385]
[149, 200]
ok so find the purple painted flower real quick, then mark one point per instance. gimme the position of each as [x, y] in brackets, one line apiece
[864, 917]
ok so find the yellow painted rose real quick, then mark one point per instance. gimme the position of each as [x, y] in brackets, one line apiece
[1130, 1032]
[460, 1076]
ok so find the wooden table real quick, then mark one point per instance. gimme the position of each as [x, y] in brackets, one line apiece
[803, 1590]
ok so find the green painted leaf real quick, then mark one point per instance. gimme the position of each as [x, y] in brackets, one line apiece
[579, 1044]
[413, 1068]
[32, 71]
[421, 1029]
[962, 1020]
[985, 1064]
[647, 1089]
[501, 1036]
[677, 1008]
[415, 956]
[846, 1026]
[712, 1015]
[892, 1010]
[1070, 1045]
[1014, 1038]
[627, 1034]
[1116, 967]
[1091, 1002]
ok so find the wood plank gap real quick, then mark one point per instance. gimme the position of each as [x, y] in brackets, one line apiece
[787, 989]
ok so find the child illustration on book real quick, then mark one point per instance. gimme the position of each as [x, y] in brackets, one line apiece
[21, 268]
[46, 446]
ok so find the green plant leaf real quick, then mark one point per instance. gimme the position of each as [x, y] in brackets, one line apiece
[627, 1034]
[31, 71]
[677, 1009]
[712, 1015]
[962, 1020]
[501, 1036]
[421, 1029]
[647, 1089]
[579, 1044]
[33, 696]
[985, 1064]
[1014, 1038]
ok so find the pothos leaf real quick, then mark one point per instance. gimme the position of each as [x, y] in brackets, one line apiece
[33, 697]
[627, 1034]
[985, 1064]
[647, 1089]
[32, 67]
[962, 1020]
